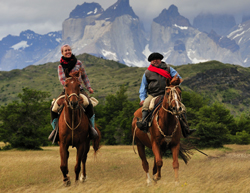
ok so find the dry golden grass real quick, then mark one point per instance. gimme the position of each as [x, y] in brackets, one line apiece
[118, 169]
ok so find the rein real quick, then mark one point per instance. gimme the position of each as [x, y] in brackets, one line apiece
[167, 138]
[173, 91]
[69, 105]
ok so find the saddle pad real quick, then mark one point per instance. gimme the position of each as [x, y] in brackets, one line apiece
[94, 101]
[56, 105]
[153, 102]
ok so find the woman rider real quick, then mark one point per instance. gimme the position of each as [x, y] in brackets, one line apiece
[69, 62]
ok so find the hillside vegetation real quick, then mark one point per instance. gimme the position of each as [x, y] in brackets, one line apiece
[225, 83]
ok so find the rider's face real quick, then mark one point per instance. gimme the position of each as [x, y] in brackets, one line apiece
[156, 62]
[66, 52]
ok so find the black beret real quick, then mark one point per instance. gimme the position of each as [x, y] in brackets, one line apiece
[154, 56]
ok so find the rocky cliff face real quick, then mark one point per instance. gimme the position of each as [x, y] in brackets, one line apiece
[79, 18]
[184, 44]
[241, 35]
[117, 34]
[224, 42]
[220, 23]
[170, 17]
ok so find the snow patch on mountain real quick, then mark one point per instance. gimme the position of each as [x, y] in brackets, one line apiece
[20, 45]
[181, 27]
[110, 55]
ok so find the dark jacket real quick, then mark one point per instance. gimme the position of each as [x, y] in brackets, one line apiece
[156, 82]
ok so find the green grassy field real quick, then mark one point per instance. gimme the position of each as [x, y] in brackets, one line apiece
[118, 169]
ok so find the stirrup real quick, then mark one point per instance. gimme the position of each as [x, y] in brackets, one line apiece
[93, 134]
[142, 125]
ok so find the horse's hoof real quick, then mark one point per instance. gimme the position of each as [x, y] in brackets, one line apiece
[83, 178]
[156, 178]
[66, 181]
[76, 182]
[149, 182]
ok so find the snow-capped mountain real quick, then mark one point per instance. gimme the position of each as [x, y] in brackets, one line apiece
[118, 34]
[241, 35]
[220, 23]
[115, 34]
[17, 52]
[180, 43]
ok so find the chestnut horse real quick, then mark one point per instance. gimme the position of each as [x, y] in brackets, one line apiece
[74, 129]
[165, 132]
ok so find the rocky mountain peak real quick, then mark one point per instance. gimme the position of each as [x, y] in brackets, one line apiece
[224, 42]
[245, 18]
[85, 10]
[170, 17]
[121, 7]
[28, 34]
[221, 23]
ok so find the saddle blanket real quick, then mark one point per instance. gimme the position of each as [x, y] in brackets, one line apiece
[153, 102]
[58, 102]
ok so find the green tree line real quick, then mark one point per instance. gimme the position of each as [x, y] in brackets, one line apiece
[25, 123]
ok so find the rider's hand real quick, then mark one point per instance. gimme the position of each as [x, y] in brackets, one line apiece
[141, 103]
[91, 91]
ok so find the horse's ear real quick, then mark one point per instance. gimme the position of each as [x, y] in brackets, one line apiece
[79, 73]
[66, 73]
[167, 82]
[176, 80]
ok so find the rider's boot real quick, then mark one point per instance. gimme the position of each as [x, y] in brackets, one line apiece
[90, 114]
[186, 131]
[54, 121]
[93, 133]
[143, 124]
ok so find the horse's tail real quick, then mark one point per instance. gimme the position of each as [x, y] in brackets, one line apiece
[96, 142]
[185, 152]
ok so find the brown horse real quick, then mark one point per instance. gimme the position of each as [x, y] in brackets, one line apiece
[74, 129]
[165, 132]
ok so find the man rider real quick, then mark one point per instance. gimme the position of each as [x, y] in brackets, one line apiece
[153, 84]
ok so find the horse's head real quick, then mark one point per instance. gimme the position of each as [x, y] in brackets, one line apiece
[173, 96]
[72, 89]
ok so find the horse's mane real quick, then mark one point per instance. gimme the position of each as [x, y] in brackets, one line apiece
[75, 75]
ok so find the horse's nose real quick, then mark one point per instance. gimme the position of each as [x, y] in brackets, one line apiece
[73, 104]
[180, 108]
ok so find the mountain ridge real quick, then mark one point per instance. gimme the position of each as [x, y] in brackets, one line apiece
[226, 83]
[117, 34]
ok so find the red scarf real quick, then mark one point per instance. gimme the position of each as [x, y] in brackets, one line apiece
[160, 71]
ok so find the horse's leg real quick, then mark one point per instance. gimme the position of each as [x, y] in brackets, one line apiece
[78, 160]
[154, 168]
[64, 153]
[158, 161]
[83, 176]
[175, 154]
[141, 151]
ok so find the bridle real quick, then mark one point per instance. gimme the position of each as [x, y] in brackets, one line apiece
[70, 105]
[175, 97]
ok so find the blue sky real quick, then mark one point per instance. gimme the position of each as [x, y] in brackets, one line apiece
[44, 16]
